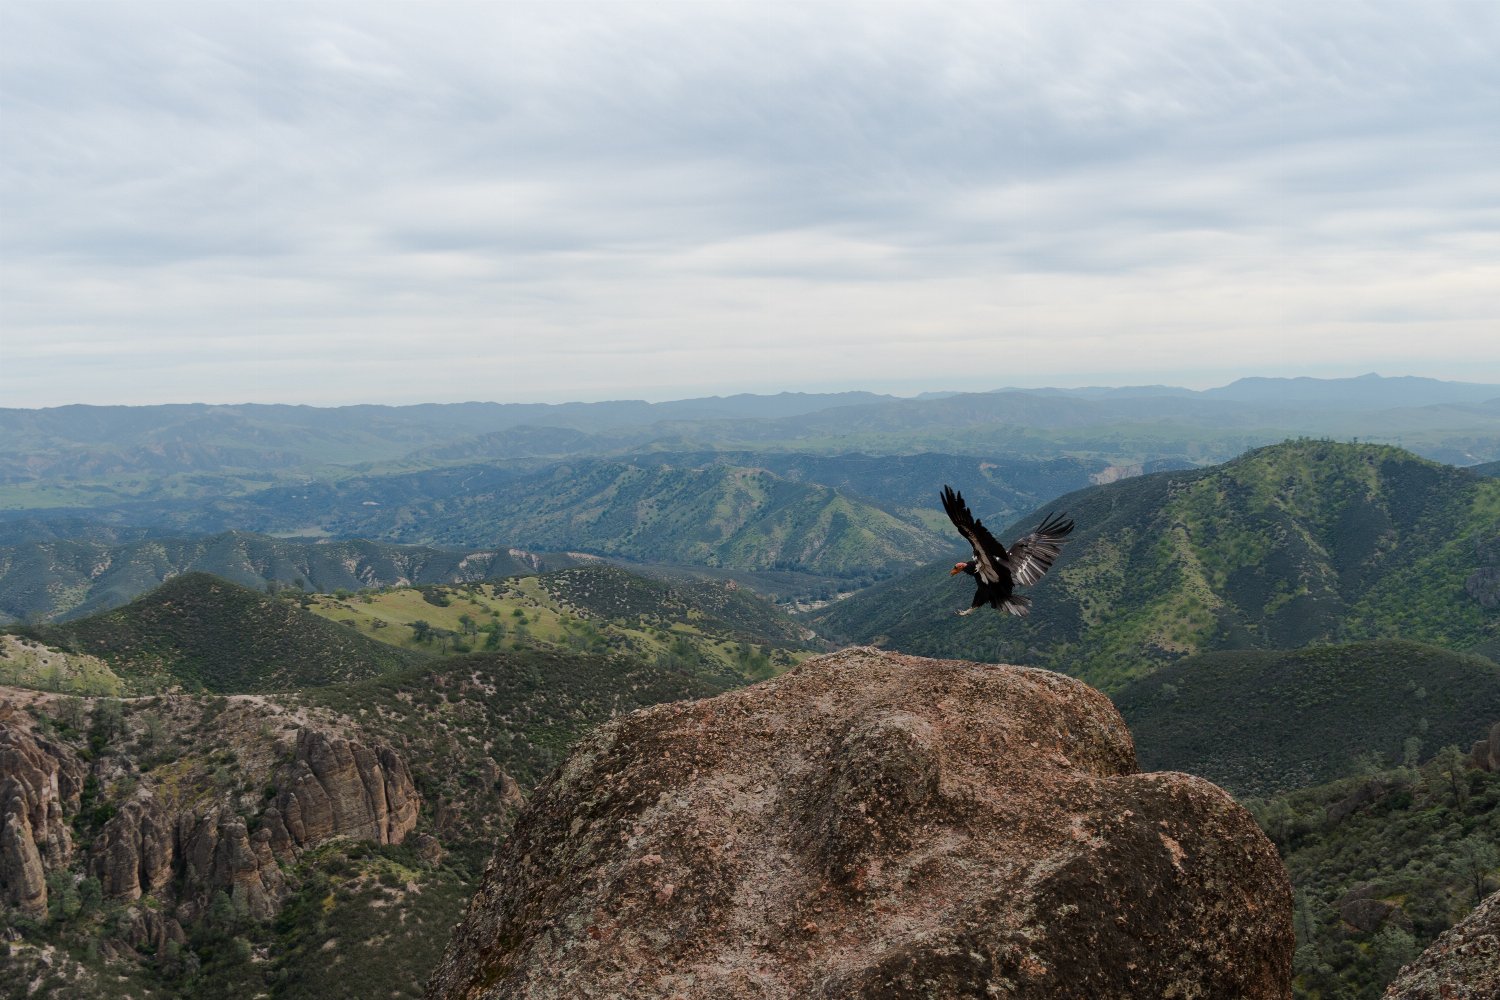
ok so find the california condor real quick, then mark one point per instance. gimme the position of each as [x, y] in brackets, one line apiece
[997, 571]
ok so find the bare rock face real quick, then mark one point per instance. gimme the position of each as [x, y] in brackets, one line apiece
[332, 788]
[881, 826]
[1463, 964]
[40, 785]
[1486, 753]
[150, 929]
[133, 855]
[220, 853]
[341, 788]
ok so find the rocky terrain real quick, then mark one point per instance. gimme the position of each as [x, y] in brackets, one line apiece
[871, 824]
[249, 786]
[1463, 964]
[40, 785]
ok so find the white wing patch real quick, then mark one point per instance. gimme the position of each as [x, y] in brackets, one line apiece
[1032, 556]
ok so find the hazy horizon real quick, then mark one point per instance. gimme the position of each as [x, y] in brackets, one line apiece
[564, 400]
[330, 203]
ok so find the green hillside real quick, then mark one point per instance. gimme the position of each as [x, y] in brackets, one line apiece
[206, 634]
[724, 609]
[713, 516]
[61, 579]
[1258, 722]
[1382, 864]
[707, 515]
[1301, 542]
[999, 486]
[721, 635]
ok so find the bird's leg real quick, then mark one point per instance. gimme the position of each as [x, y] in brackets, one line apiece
[967, 611]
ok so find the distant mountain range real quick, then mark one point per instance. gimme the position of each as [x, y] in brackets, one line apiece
[1303, 542]
[113, 447]
[797, 523]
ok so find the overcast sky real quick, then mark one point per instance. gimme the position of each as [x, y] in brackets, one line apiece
[332, 203]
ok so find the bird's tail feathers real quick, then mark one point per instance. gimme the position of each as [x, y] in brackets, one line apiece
[1017, 605]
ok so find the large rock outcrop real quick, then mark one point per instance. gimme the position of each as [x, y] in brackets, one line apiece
[134, 853]
[341, 788]
[1462, 964]
[219, 852]
[876, 825]
[40, 786]
[332, 787]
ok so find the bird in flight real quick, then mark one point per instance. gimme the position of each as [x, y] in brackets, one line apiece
[998, 571]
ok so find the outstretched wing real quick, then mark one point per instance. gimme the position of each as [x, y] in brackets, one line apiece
[1032, 556]
[991, 562]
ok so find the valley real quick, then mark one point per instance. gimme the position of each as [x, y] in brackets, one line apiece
[1310, 624]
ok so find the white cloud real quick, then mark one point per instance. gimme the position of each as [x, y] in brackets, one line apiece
[392, 202]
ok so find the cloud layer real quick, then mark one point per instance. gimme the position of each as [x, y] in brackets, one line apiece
[400, 202]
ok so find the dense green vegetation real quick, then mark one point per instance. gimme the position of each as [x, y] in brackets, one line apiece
[1260, 722]
[1382, 863]
[1302, 542]
[201, 633]
[719, 609]
[1209, 601]
[713, 516]
[51, 578]
[718, 630]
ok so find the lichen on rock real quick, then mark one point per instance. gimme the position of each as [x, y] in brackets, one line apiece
[876, 825]
[1462, 964]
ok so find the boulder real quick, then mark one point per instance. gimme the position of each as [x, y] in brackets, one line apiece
[876, 825]
[1462, 964]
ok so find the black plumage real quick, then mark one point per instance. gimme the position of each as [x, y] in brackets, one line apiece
[998, 571]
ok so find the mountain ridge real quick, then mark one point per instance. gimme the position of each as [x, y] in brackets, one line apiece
[200, 632]
[1307, 541]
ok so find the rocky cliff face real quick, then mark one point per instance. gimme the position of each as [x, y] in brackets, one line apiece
[1463, 964]
[40, 784]
[178, 833]
[876, 825]
[332, 787]
[340, 788]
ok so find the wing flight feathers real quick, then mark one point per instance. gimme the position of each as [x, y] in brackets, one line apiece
[991, 555]
[1032, 556]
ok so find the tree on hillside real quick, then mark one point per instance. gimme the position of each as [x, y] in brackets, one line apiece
[1474, 859]
[1445, 773]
